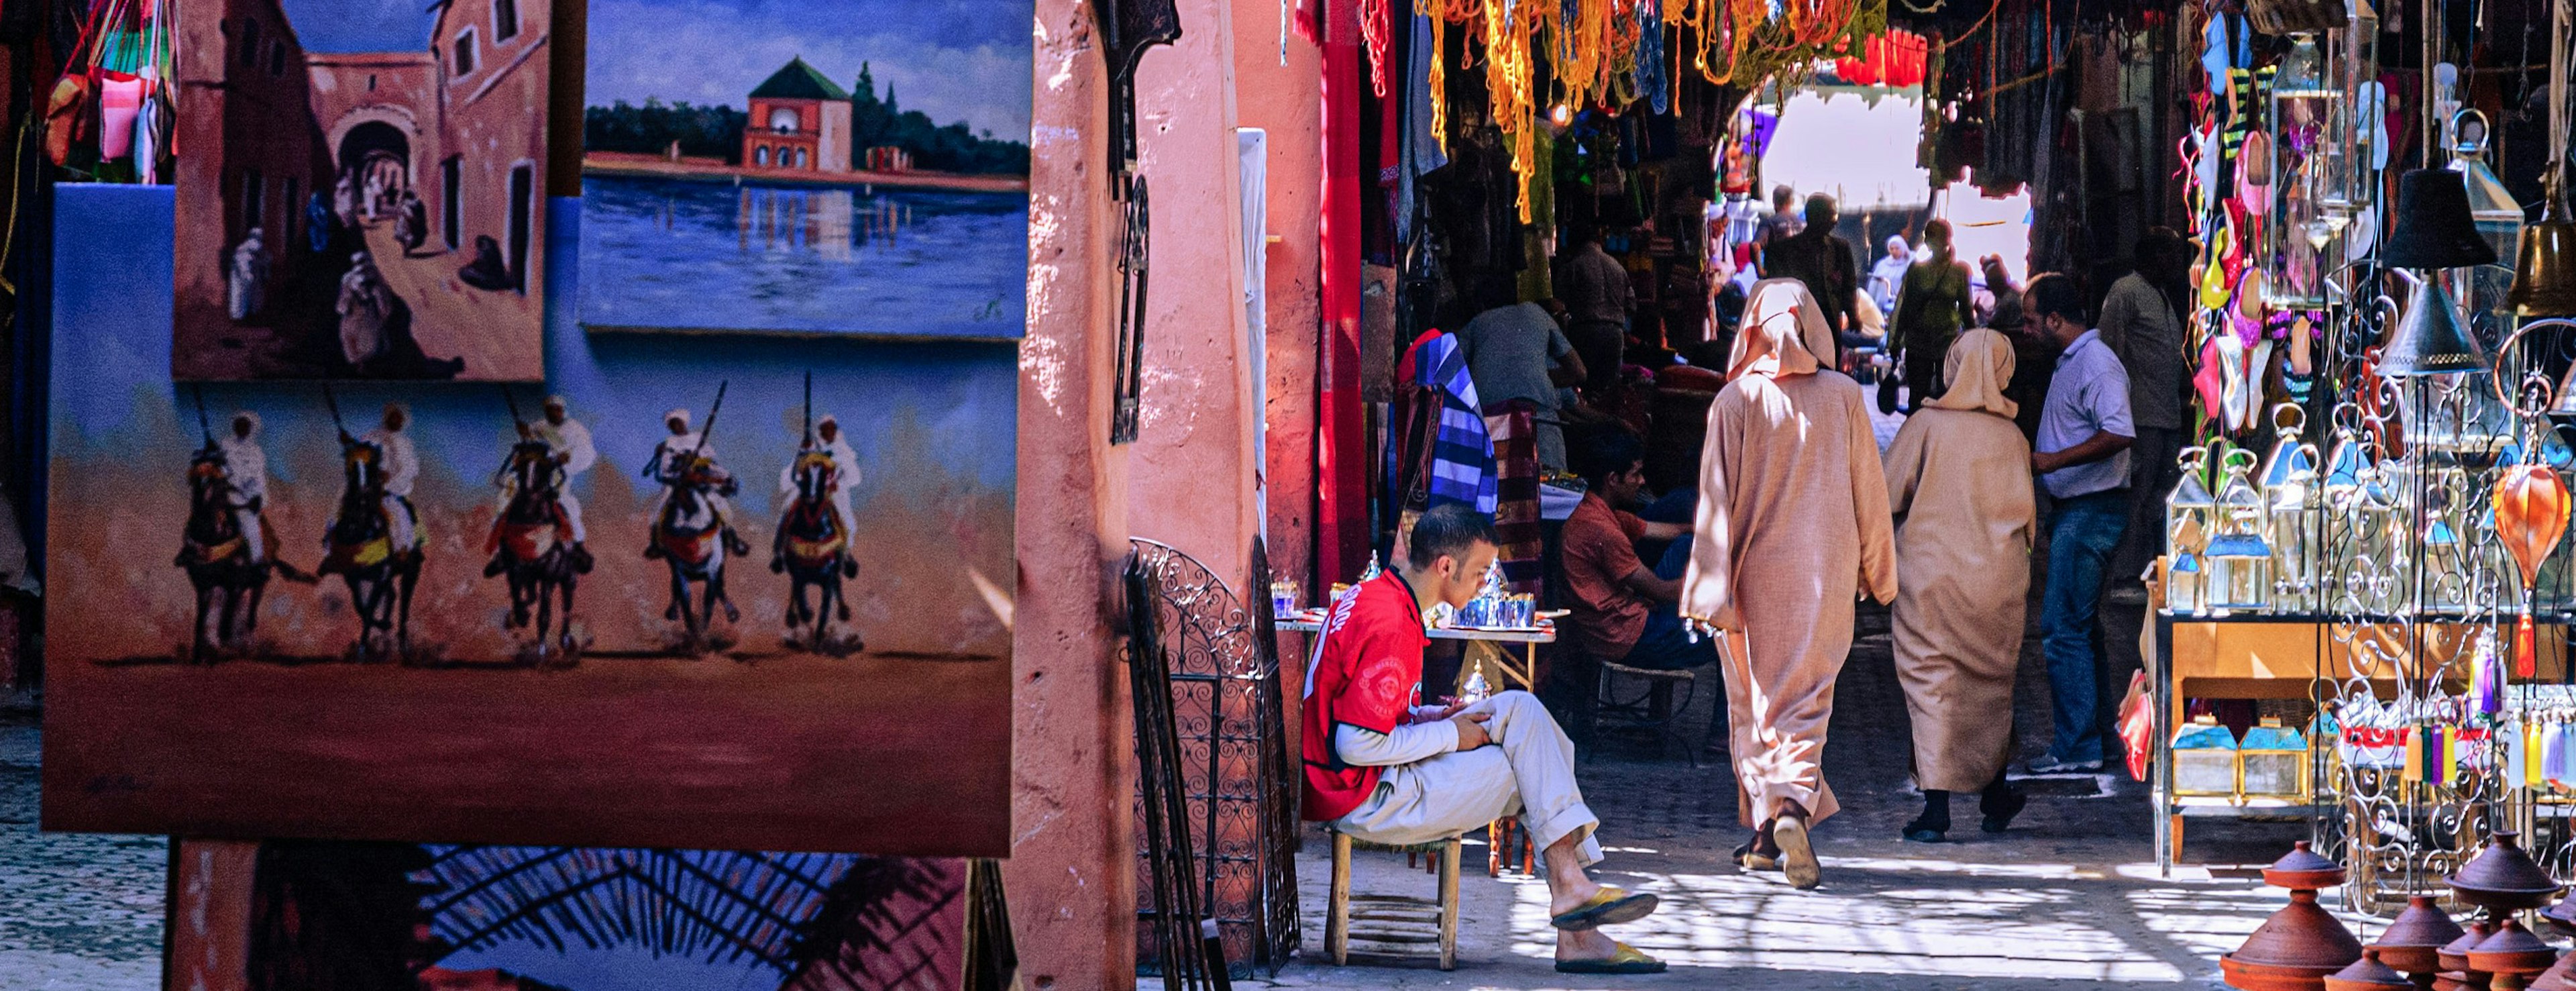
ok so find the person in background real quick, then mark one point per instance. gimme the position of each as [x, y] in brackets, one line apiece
[2034, 355]
[402, 472]
[1622, 610]
[1931, 307]
[1781, 224]
[2082, 459]
[246, 468]
[1598, 300]
[1888, 274]
[1381, 769]
[1519, 351]
[1965, 518]
[1824, 262]
[2142, 321]
[1792, 506]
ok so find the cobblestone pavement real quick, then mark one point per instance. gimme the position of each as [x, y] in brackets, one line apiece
[77, 912]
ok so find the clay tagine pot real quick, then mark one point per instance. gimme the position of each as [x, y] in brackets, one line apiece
[2454, 955]
[2302, 868]
[2410, 941]
[2368, 974]
[2513, 955]
[2562, 916]
[2559, 977]
[2502, 877]
[2295, 948]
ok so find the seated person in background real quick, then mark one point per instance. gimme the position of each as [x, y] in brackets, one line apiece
[1621, 610]
[1386, 771]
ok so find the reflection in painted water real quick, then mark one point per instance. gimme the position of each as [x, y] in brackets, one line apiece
[689, 255]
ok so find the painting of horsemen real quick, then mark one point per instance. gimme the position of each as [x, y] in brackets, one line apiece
[361, 189]
[747, 592]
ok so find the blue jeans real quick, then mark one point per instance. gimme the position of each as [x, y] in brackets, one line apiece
[2080, 543]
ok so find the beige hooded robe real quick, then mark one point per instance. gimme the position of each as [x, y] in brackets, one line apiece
[1792, 527]
[1959, 475]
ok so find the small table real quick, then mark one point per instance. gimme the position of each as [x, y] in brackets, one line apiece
[1529, 638]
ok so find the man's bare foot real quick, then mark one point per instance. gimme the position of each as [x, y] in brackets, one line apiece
[1588, 944]
[1571, 895]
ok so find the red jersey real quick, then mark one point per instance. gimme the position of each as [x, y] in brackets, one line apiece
[1366, 668]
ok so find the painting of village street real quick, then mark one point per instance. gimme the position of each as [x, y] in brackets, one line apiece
[360, 189]
[822, 167]
[747, 593]
[337, 916]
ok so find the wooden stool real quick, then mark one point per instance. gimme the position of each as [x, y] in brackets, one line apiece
[1505, 839]
[1395, 926]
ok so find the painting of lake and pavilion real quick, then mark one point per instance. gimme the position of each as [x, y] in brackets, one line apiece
[814, 167]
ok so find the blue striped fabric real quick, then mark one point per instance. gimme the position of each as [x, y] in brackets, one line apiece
[1462, 455]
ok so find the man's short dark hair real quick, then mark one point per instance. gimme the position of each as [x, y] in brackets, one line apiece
[2053, 293]
[1606, 453]
[1448, 530]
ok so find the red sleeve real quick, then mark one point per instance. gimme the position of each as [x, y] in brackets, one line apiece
[1631, 526]
[1611, 552]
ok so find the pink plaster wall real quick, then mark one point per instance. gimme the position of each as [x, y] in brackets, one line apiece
[1191, 482]
[1287, 101]
[1072, 872]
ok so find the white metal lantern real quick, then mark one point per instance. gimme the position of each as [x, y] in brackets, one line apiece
[2290, 498]
[2190, 515]
[2239, 560]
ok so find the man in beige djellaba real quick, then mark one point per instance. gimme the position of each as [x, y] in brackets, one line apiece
[1956, 480]
[1792, 528]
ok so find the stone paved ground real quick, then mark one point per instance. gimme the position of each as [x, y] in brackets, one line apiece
[77, 912]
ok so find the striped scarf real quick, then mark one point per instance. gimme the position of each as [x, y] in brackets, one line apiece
[1462, 455]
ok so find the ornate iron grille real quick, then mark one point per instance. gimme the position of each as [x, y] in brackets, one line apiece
[1232, 757]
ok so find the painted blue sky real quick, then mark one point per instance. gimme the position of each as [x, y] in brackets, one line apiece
[951, 59]
[361, 25]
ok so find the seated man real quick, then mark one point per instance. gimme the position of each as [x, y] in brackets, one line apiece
[1621, 610]
[1386, 771]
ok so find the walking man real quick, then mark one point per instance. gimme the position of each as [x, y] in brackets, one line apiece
[2082, 459]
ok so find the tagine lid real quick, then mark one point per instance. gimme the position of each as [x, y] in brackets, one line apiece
[2303, 868]
[2454, 955]
[2512, 950]
[2365, 974]
[2562, 916]
[2301, 936]
[2503, 876]
[2420, 925]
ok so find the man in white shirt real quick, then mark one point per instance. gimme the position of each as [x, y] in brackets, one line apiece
[401, 470]
[574, 453]
[246, 467]
[2082, 459]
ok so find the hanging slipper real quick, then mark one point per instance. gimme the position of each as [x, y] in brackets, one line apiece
[2208, 381]
[2258, 366]
[2234, 405]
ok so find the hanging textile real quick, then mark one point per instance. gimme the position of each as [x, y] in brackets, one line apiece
[1462, 467]
[1513, 425]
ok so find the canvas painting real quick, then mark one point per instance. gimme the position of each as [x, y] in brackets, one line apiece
[828, 167]
[360, 189]
[335, 916]
[695, 591]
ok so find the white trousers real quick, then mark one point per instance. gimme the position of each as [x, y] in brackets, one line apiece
[253, 540]
[1527, 771]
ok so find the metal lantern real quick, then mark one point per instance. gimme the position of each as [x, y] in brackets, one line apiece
[2272, 763]
[2190, 514]
[2387, 585]
[2204, 755]
[2306, 120]
[2239, 560]
[2486, 289]
[2291, 497]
